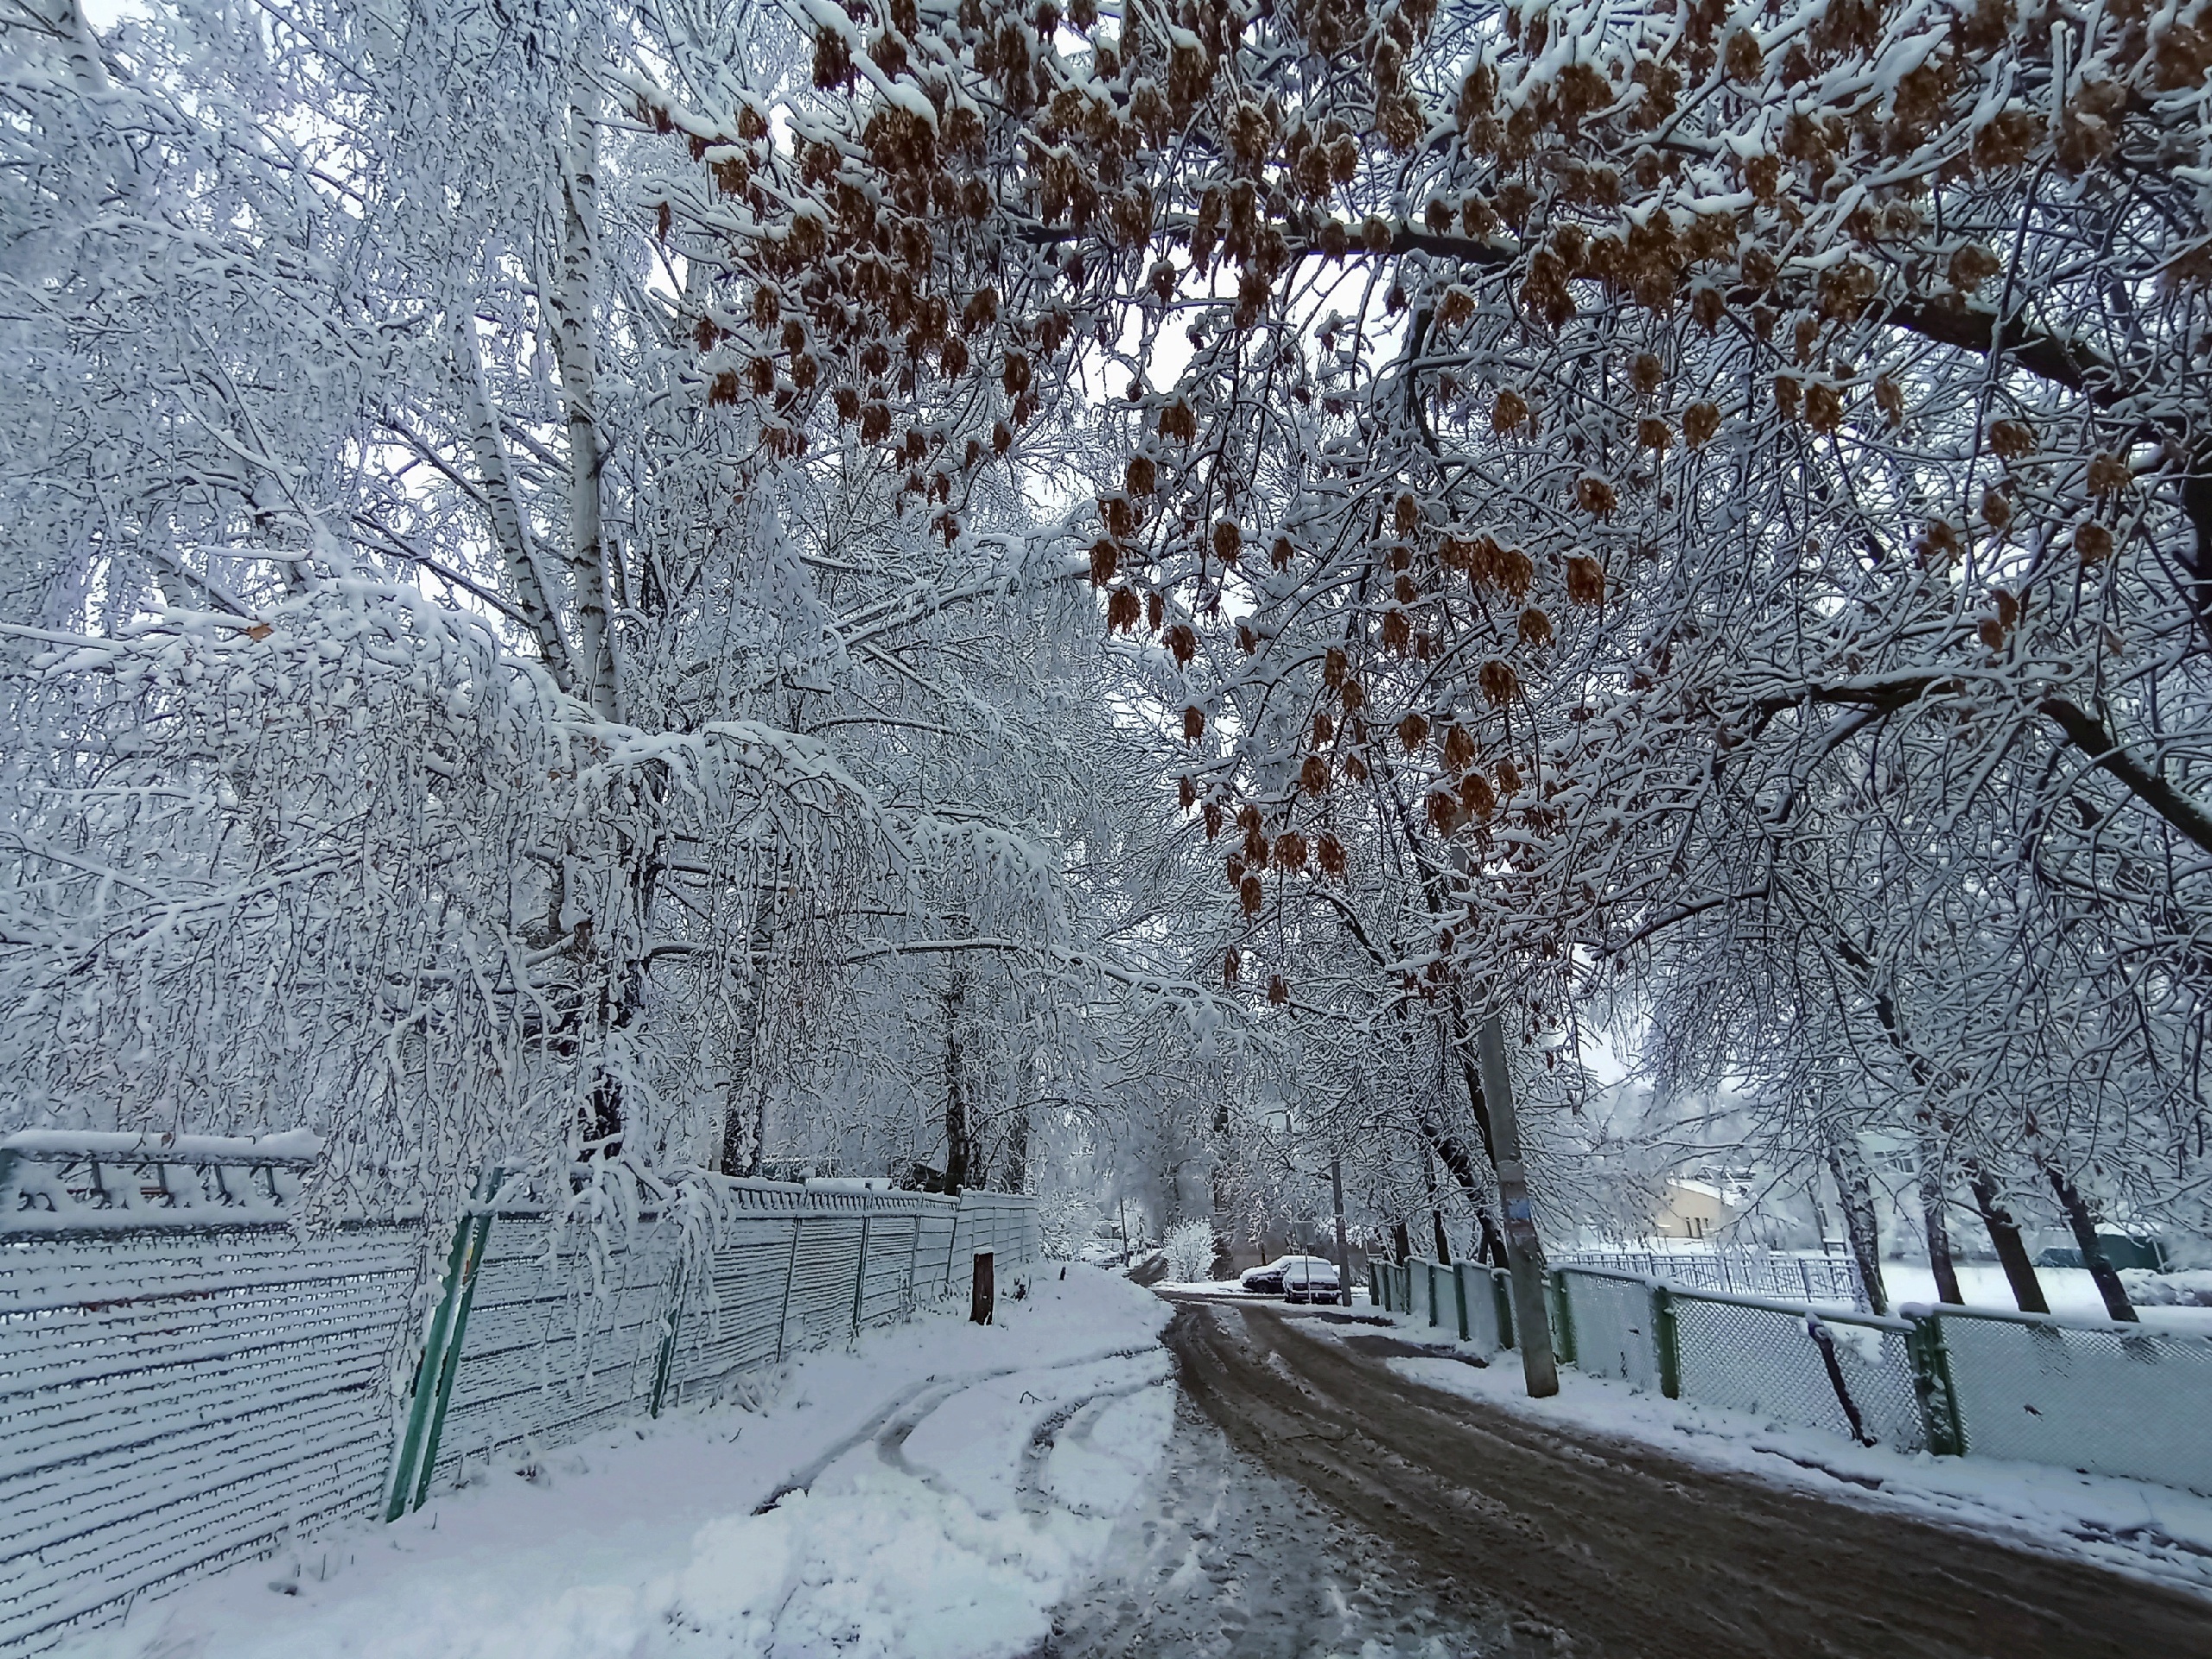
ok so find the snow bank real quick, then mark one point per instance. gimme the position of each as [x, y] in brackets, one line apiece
[959, 1482]
[2155, 1532]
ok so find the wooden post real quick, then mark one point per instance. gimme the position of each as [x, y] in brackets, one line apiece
[982, 1296]
[1524, 1249]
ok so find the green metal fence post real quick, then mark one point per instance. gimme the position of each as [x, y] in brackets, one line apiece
[426, 1412]
[1931, 1380]
[1667, 1337]
[433, 1360]
[483, 1233]
[1562, 1316]
[666, 1362]
[860, 1275]
[1459, 1296]
[913, 1271]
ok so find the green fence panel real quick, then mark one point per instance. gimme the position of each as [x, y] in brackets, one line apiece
[1751, 1355]
[1562, 1311]
[2101, 1398]
[1614, 1332]
[1486, 1308]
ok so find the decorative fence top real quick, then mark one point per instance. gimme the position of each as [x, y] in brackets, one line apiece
[650, 1196]
[69, 1181]
[1831, 1279]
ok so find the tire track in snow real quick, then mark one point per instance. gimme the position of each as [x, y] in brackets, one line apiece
[890, 1427]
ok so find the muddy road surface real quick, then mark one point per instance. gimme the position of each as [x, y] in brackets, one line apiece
[1322, 1504]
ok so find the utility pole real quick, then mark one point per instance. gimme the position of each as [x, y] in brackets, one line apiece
[1524, 1249]
[1343, 1254]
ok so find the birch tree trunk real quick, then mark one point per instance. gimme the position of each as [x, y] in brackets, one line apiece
[517, 548]
[569, 296]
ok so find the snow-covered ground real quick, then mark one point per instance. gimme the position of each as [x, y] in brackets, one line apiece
[944, 1486]
[2070, 1292]
[2155, 1531]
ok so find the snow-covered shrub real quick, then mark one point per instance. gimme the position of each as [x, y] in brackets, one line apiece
[1189, 1249]
[2190, 1288]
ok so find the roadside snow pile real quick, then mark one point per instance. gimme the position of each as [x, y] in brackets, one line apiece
[937, 1491]
[2157, 1532]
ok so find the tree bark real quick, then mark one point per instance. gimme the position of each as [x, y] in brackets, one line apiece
[2005, 1234]
[1404, 1241]
[570, 301]
[517, 548]
[1862, 1225]
[959, 1148]
[1435, 1207]
[1935, 1229]
[1017, 1152]
[2084, 1226]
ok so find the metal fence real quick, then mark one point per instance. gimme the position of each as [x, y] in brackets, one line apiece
[186, 1382]
[171, 1405]
[538, 1339]
[2100, 1399]
[1822, 1279]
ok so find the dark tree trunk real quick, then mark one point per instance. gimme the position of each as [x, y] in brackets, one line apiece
[1436, 1208]
[2005, 1234]
[1402, 1240]
[1492, 1250]
[1017, 1152]
[1855, 1192]
[1935, 1226]
[2100, 1265]
[959, 1146]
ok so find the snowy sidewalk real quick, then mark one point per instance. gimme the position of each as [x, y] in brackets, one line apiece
[944, 1485]
[2160, 1532]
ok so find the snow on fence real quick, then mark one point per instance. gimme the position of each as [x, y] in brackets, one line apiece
[186, 1381]
[2102, 1399]
[183, 1382]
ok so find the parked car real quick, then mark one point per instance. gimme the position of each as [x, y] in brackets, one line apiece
[1295, 1278]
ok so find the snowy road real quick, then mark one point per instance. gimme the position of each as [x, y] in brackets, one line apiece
[1041, 1488]
[1224, 1559]
[1562, 1539]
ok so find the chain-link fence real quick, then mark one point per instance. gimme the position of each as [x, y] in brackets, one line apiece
[186, 1383]
[2102, 1399]
[1612, 1325]
[1850, 1375]
[539, 1339]
[1826, 1280]
[170, 1404]
[2105, 1399]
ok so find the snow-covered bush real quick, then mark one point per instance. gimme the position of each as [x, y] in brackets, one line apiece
[1189, 1249]
[2189, 1288]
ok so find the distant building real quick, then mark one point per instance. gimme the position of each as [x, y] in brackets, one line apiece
[1693, 1209]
